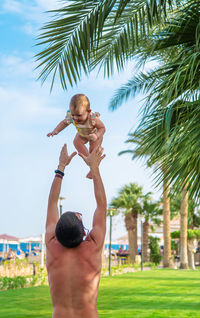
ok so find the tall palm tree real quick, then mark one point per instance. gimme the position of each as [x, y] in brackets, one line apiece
[186, 246]
[183, 229]
[187, 208]
[83, 35]
[151, 212]
[193, 209]
[173, 87]
[180, 74]
[191, 236]
[129, 202]
[151, 141]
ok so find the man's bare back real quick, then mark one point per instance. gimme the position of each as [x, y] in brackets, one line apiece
[74, 273]
[80, 270]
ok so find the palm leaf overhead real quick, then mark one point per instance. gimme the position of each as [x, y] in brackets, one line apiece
[84, 34]
[170, 138]
[141, 83]
[75, 26]
[177, 76]
[185, 152]
[181, 156]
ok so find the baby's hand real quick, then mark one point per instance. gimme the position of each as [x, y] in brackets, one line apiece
[54, 132]
[93, 137]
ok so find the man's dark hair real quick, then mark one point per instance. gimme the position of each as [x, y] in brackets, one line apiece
[69, 230]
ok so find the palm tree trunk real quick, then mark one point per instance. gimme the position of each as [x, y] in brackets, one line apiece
[131, 247]
[190, 249]
[131, 226]
[167, 257]
[135, 218]
[145, 240]
[183, 229]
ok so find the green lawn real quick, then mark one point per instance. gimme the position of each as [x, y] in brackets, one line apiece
[155, 293]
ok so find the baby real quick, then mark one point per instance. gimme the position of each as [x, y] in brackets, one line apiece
[89, 126]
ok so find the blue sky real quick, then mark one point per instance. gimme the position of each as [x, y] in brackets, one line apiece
[29, 112]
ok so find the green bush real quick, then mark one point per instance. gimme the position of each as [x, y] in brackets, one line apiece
[12, 283]
[174, 245]
[155, 256]
[191, 234]
[23, 281]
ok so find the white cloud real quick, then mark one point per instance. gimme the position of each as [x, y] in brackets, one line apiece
[14, 67]
[23, 111]
[10, 60]
[31, 10]
[49, 4]
[34, 13]
[19, 71]
[12, 6]
[26, 105]
[28, 29]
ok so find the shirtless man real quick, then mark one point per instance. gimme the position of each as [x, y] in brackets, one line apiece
[74, 264]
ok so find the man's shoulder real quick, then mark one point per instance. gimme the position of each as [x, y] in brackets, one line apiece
[50, 233]
[93, 242]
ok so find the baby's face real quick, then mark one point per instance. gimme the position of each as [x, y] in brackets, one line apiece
[79, 115]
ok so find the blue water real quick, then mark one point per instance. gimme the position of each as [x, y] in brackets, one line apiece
[117, 246]
[25, 247]
[15, 247]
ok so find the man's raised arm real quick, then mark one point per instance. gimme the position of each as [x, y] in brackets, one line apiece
[52, 210]
[99, 219]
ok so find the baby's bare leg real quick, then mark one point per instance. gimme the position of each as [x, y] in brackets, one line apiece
[94, 144]
[79, 143]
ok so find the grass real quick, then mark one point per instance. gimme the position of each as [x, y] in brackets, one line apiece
[148, 294]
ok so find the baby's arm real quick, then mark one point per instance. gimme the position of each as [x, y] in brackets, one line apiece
[100, 130]
[62, 125]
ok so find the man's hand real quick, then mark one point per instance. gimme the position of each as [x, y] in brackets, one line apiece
[94, 158]
[92, 137]
[54, 132]
[64, 158]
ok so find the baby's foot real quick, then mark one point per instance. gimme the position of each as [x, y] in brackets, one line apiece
[89, 175]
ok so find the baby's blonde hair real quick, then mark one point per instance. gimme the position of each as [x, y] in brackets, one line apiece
[80, 100]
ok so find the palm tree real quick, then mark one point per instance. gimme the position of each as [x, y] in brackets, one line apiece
[151, 140]
[183, 229]
[151, 212]
[191, 236]
[129, 201]
[85, 34]
[190, 214]
[173, 88]
[179, 100]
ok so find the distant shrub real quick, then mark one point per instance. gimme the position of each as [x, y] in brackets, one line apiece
[12, 283]
[23, 281]
[155, 256]
[191, 234]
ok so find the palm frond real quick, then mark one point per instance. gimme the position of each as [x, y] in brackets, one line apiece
[128, 26]
[70, 37]
[170, 138]
[85, 34]
[137, 84]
